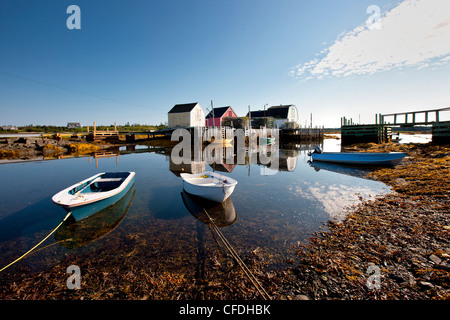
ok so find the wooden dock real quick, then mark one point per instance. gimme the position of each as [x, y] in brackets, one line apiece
[301, 134]
[285, 135]
[96, 135]
[381, 131]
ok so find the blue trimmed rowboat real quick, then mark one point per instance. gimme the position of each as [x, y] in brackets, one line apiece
[95, 193]
[360, 158]
[208, 185]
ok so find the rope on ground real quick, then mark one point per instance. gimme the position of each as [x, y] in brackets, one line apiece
[29, 251]
[241, 263]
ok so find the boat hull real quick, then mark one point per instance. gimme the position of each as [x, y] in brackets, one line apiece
[360, 158]
[82, 201]
[216, 193]
[84, 211]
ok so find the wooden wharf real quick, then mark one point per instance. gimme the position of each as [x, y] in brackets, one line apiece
[294, 135]
[301, 134]
[381, 131]
[102, 134]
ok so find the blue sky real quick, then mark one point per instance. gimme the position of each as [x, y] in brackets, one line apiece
[131, 61]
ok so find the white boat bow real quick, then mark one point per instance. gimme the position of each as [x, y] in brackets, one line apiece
[209, 185]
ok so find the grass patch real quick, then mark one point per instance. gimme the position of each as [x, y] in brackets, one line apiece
[82, 148]
[7, 154]
[51, 147]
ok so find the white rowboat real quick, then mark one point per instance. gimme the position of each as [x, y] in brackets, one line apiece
[208, 185]
[95, 193]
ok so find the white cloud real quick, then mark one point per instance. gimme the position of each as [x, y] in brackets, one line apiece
[415, 33]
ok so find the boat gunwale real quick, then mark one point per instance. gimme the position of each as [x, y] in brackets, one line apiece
[361, 153]
[187, 177]
[105, 194]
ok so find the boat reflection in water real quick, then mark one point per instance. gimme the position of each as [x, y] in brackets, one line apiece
[353, 171]
[74, 234]
[224, 214]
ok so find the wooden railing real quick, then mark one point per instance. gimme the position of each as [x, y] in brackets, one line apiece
[411, 118]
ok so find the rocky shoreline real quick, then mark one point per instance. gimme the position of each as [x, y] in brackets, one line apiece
[396, 247]
[28, 148]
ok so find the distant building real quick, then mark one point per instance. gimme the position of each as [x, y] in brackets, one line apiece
[215, 116]
[187, 115]
[73, 125]
[9, 127]
[281, 114]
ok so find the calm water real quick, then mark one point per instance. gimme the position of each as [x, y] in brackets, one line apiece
[269, 209]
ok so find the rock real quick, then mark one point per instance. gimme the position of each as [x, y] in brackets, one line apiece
[435, 259]
[425, 285]
[396, 278]
[22, 140]
[443, 266]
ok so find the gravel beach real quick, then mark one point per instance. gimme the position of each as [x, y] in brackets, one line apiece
[396, 247]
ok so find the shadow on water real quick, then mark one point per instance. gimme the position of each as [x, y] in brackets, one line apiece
[36, 217]
[164, 203]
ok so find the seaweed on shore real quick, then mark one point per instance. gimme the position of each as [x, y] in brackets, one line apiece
[405, 235]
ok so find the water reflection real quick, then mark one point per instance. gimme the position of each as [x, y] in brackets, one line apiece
[224, 214]
[359, 172]
[280, 203]
[74, 234]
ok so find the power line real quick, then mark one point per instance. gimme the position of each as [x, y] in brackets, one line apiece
[72, 90]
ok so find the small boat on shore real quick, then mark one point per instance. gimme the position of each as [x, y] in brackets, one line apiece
[95, 193]
[359, 158]
[208, 185]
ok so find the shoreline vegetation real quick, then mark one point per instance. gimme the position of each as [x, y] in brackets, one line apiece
[394, 247]
[405, 235]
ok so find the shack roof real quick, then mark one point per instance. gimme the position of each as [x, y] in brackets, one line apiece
[218, 112]
[280, 111]
[180, 108]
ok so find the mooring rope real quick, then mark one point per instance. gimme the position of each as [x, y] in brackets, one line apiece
[241, 263]
[29, 251]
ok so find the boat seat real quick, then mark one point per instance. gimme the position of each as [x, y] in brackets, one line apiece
[109, 179]
[207, 181]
